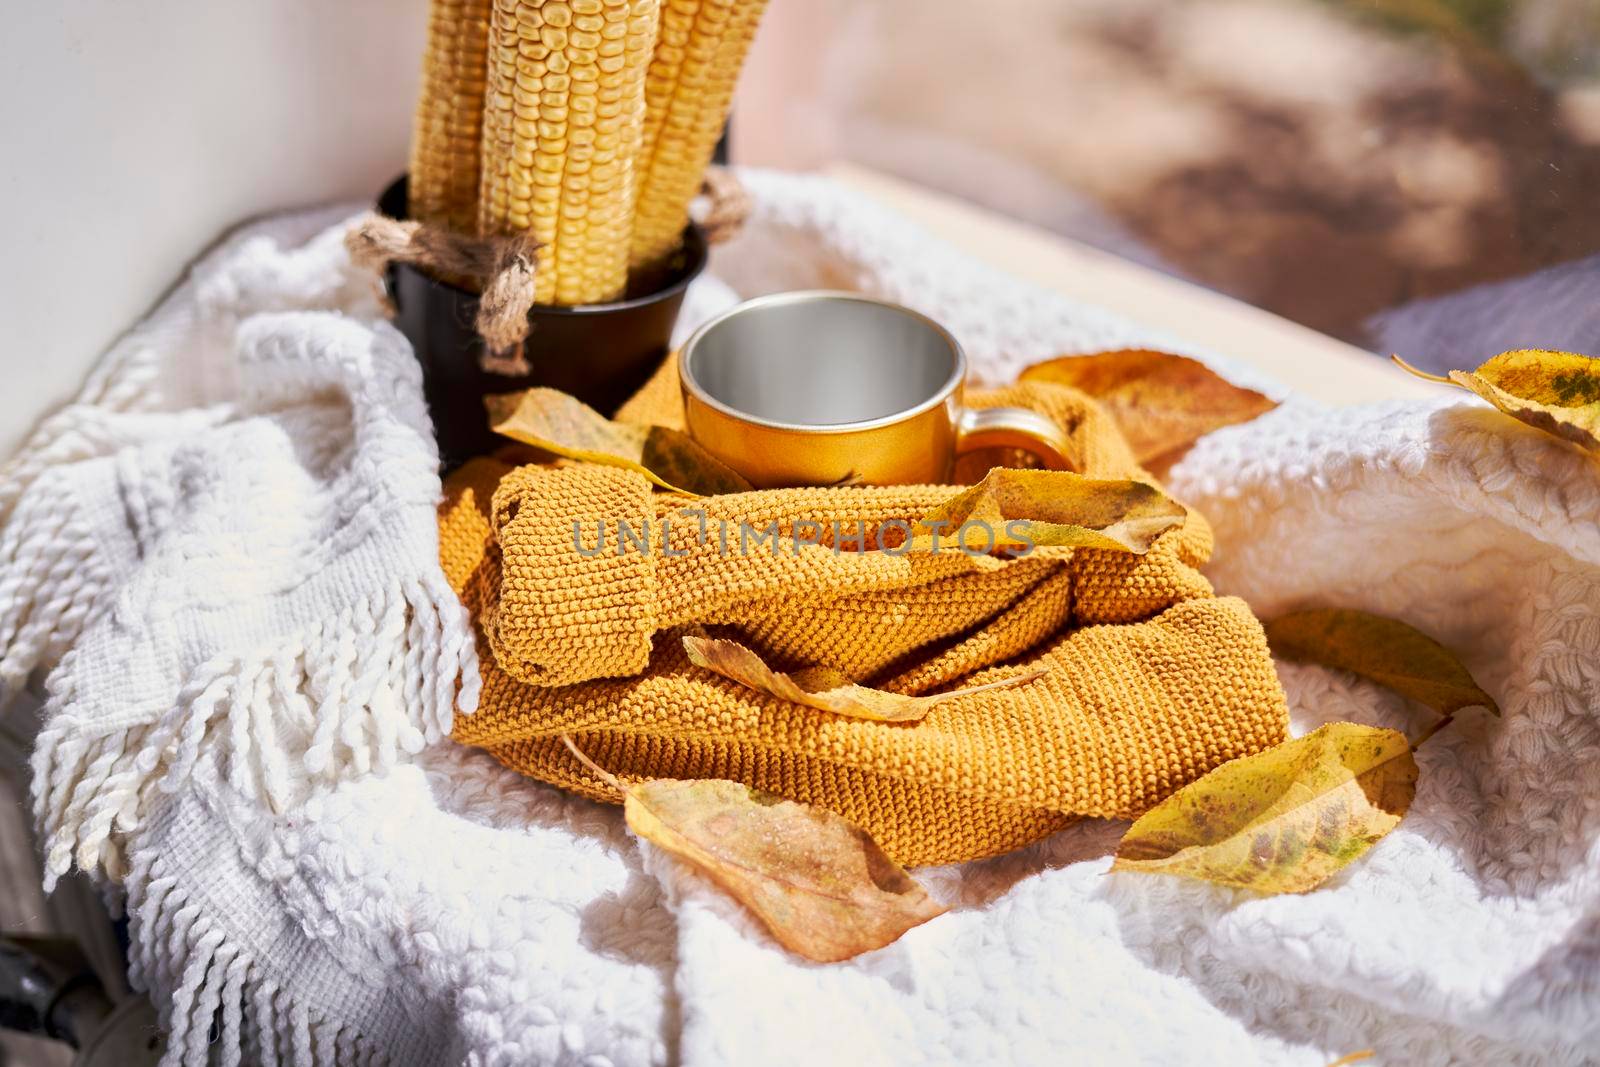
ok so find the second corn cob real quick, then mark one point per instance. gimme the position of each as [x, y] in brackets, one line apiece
[563, 117]
[689, 89]
[445, 139]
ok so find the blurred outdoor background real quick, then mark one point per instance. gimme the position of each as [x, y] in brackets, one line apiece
[1420, 176]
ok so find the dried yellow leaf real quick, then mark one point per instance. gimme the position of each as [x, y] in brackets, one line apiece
[1162, 402]
[1557, 392]
[823, 687]
[555, 422]
[821, 885]
[1386, 651]
[1280, 821]
[1012, 509]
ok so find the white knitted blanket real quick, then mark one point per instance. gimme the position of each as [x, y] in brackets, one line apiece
[224, 552]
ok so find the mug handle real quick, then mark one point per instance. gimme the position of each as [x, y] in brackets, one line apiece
[1030, 431]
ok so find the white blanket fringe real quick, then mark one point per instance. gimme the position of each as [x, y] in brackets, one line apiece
[353, 694]
[220, 998]
[257, 576]
[50, 579]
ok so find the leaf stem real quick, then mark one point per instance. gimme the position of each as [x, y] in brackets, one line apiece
[600, 772]
[1353, 1057]
[1409, 369]
[1430, 731]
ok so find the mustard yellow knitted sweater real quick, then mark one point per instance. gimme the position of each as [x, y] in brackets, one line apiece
[1152, 679]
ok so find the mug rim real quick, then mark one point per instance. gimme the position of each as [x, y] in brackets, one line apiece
[692, 387]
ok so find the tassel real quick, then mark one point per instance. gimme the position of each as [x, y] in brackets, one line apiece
[232, 1039]
[263, 1024]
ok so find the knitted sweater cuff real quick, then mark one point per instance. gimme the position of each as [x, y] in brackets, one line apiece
[575, 597]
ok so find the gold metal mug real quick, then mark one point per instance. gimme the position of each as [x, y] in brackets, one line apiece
[825, 388]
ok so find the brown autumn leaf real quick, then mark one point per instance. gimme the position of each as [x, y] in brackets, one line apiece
[823, 687]
[819, 883]
[1557, 392]
[1162, 402]
[1022, 508]
[562, 424]
[1280, 821]
[1386, 651]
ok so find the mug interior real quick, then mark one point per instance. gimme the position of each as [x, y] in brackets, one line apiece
[821, 359]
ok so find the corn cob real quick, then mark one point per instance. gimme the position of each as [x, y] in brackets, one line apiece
[563, 117]
[688, 91]
[444, 142]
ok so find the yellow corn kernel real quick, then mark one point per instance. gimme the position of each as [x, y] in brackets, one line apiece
[445, 138]
[701, 46]
[561, 131]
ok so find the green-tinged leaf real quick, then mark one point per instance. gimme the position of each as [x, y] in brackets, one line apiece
[823, 687]
[563, 425]
[1162, 402]
[821, 885]
[1385, 651]
[1557, 392]
[1024, 508]
[1281, 821]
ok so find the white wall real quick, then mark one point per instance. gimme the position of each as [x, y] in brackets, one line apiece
[134, 132]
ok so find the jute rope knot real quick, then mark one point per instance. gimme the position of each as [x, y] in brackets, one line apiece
[503, 268]
[728, 205]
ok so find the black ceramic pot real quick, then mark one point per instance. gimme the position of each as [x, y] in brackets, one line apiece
[599, 353]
